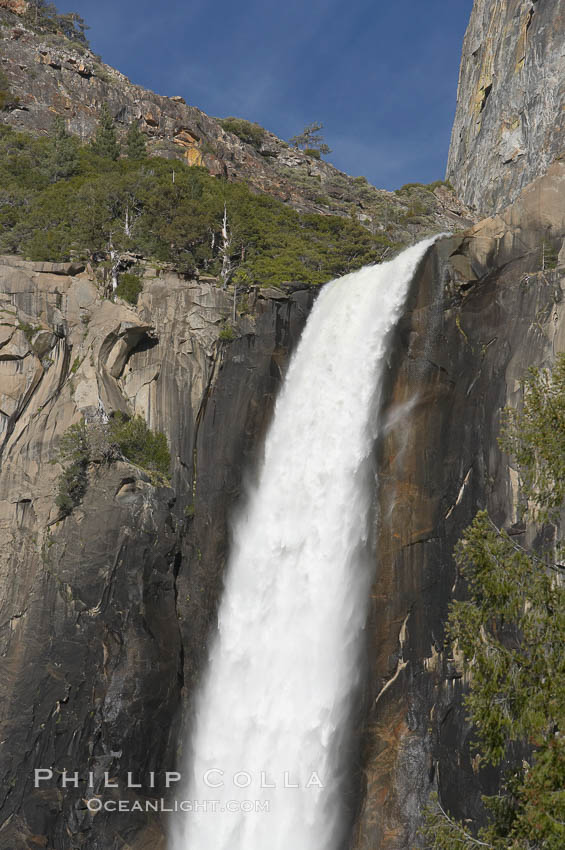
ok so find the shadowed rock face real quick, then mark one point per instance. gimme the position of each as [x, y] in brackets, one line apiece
[482, 310]
[510, 119]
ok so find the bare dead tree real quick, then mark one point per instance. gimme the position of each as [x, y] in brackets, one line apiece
[131, 216]
[225, 249]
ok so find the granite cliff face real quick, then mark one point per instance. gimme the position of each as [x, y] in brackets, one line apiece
[510, 119]
[104, 614]
[481, 312]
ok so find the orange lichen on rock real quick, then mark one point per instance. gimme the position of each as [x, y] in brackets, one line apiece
[189, 142]
[19, 7]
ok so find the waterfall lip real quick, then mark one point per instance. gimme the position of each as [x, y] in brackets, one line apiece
[285, 661]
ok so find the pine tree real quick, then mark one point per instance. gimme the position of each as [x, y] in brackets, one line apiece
[105, 143]
[135, 141]
[511, 633]
[44, 15]
[74, 27]
[62, 158]
[310, 139]
[40, 12]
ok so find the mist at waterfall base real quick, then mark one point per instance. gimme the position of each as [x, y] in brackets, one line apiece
[276, 702]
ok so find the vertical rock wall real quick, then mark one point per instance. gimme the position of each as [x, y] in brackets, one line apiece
[510, 118]
[482, 311]
[104, 614]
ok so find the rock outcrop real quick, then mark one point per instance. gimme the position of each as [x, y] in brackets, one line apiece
[104, 613]
[510, 119]
[18, 7]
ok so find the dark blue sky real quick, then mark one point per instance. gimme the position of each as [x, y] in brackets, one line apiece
[381, 76]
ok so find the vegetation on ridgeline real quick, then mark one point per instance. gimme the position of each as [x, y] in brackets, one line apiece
[417, 197]
[43, 15]
[60, 200]
[511, 633]
[247, 131]
[311, 140]
[108, 202]
[49, 185]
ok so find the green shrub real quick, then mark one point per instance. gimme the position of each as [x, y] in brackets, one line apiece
[247, 131]
[141, 446]
[129, 287]
[427, 187]
[227, 333]
[311, 139]
[49, 245]
[28, 330]
[62, 155]
[361, 181]
[313, 152]
[437, 183]
[535, 437]
[416, 208]
[74, 454]
[4, 91]
[101, 73]
[408, 186]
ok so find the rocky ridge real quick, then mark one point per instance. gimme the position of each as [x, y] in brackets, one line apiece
[54, 76]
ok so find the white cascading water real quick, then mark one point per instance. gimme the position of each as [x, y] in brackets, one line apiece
[276, 700]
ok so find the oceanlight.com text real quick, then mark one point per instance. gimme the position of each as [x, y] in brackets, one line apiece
[95, 805]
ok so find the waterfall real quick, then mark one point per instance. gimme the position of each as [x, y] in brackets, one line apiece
[275, 702]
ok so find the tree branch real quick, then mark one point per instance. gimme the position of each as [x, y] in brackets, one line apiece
[516, 546]
[466, 836]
